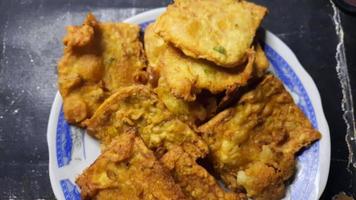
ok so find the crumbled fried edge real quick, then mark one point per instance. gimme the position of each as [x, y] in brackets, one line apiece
[120, 165]
[194, 180]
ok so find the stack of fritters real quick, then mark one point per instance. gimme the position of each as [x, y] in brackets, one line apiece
[202, 93]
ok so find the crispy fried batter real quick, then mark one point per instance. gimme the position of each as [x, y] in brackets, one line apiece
[187, 76]
[261, 65]
[219, 31]
[127, 169]
[261, 61]
[137, 107]
[253, 144]
[98, 59]
[155, 46]
[194, 180]
[190, 112]
[191, 76]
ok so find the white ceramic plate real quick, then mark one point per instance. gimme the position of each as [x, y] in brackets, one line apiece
[71, 150]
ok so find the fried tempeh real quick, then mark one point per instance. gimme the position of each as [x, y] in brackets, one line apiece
[186, 76]
[219, 31]
[253, 144]
[155, 47]
[137, 107]
[98, 59]
[127, 169]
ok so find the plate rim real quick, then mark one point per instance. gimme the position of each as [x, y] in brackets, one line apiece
[305, 78]
[52, 122]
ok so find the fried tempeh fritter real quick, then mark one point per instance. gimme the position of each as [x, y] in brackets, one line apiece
[98, 59]
[191, 76]
[191, 112]
[155, 47]
[194, 180]
[186, 76]
[253, 144]
[127, 169]
[138, 107]
[219, 31]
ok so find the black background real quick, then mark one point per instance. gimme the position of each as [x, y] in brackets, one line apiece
[30, 40]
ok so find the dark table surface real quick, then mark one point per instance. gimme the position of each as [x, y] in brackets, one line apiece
[30, 37]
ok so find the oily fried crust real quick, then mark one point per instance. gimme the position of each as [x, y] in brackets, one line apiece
[260, 65]
[189, 79]
[261, 61]
[194, 180]
[109, 106]
[155, 46]
[191, 76]
[216, 24]
[253, 144]
[189, 112]
[127, 169]
[98, 59]
[137, 107]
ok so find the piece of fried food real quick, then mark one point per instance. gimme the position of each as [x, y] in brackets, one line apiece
[253, 144]
[137, 107]
[190, 112]
[194, 180]
[98, 59]
[127, 169]
[219, 31]
[186, 76]
[155, 47]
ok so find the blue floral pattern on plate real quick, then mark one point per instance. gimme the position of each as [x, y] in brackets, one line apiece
[70, 190]
[63, 141]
